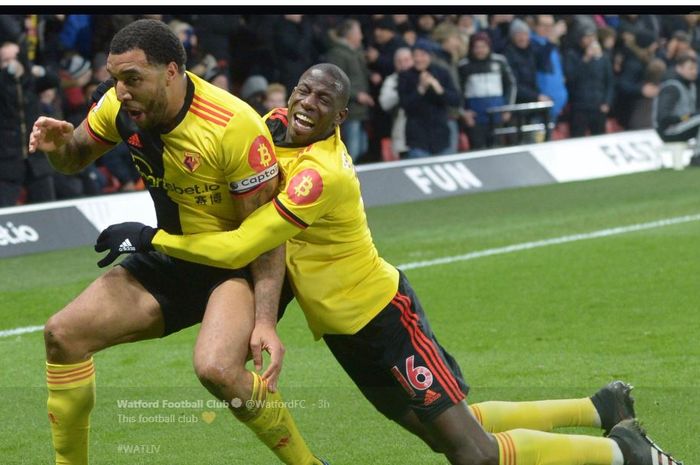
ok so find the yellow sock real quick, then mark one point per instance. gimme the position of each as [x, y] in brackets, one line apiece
[71, 399]
[541, 415]
[527, 447]
[270, 420]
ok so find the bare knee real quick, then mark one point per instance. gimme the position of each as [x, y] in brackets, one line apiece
[219, 377]
[62, 346]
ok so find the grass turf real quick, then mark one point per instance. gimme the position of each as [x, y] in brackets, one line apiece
[551, 322]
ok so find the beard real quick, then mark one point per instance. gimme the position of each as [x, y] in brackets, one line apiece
[155, 110]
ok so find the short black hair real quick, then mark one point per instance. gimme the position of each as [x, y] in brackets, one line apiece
[345, 26]
[155, 38]
[685, 57]
[342, 81]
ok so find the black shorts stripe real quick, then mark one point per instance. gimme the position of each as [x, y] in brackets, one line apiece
[423, 345]
[431, 347]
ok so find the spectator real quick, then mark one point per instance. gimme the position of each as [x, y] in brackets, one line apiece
[468, 25]
[275, 96]
[523, 62]
[677, 45]
[380, 60]
[591, 86]
[408, 33]
[380, 56]
[19, 108]
[218, 77]
[634, 92]
[253, 92]
[693, 29]
[76, 34]
[607, 37]
[215, 33]
[293, 48]
[550, 73]
[425, 93]
[499, 31]
[348, 55]
[424, 27]
[389, 100]
[89, 181]
[676, 112]
[633, 24]
[486, 81]
[75, 73]
[452, 50]
[99, 67]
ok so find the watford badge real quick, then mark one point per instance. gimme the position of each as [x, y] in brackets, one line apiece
[192, 161]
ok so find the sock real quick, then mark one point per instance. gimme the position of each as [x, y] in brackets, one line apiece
[527, 447]
[541, 415]
[71, 399]
[270, 420]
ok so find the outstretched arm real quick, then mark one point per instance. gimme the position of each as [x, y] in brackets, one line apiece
[262, 231]
[69, 149]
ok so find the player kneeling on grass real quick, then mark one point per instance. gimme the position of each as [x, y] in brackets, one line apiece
[370, 317]
[181, 131]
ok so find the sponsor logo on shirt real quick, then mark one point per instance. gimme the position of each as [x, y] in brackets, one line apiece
[261, 155]
[305, 187]
[244, 185]
[158, 182]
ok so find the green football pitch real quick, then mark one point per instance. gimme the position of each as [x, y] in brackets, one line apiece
[545, 292]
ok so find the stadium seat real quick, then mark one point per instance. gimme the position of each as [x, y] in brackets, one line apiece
[112, 184]
[22, 199]
[387, 151]
[611, 125]
[463, 144]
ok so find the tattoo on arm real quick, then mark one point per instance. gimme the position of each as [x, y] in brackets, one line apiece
[78, 153]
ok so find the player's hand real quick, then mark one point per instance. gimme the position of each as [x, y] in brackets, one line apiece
[264, 337]
[49, 135]
[129, 237]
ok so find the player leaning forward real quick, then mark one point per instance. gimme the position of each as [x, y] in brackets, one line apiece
[194, 144]
[370, 317]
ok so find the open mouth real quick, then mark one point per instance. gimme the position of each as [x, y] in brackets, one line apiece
[303, 121]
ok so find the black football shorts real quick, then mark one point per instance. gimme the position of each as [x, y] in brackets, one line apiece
[181, 288]
[398, 363]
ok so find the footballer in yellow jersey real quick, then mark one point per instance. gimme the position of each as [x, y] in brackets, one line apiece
[370, 317]
[208, 161]
[217, 145]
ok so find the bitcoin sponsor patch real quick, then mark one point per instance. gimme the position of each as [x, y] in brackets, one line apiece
[305, 187]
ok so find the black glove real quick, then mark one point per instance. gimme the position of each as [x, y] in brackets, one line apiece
[129, 237]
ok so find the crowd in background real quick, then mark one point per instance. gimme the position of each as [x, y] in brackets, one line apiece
[421, 84]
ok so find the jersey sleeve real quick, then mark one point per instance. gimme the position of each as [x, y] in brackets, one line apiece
[310, 191]
[101, 121]
[260, 232]
[249, 159]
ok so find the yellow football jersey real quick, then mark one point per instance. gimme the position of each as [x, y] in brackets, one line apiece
[339, 279]
[219, 145]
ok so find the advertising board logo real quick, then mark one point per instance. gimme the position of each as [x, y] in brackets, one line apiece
[447, 177]
[20, 234]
